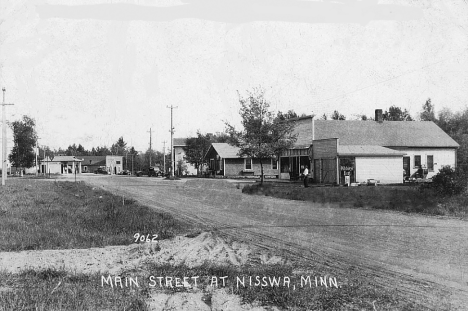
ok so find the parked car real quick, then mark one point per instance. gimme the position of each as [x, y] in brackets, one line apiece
[101, 170]
[155, 171]
[125, 172]
[138, 173]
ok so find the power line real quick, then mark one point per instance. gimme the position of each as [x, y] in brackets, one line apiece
[172, 142]
[4, 139]
[164, 157]
[150, 131]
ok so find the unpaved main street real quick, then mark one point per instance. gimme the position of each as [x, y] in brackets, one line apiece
[424, 258]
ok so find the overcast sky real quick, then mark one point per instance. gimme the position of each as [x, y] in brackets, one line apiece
[90, 71]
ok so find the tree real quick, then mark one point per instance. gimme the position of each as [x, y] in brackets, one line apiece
[181, 168]
[71, 150]
[337, 116]
[119, 147]
[25, 138]
[456, 125]
[396, 114]
[195, 149]
[263, 136]
[324, 117]
[133, 154]
[291, 114]
[80, 150]
[102, 151]
[427, 113]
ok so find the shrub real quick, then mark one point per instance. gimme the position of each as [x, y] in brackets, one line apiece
[450, 181]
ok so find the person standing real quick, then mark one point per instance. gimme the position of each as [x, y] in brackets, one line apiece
[306, 177]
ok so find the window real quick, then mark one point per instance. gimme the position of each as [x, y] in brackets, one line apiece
[248, 163]
[274, 164]
[417, 161]
[118, 162]
[430, 163]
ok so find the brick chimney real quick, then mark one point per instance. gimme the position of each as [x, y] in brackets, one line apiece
[378, 115]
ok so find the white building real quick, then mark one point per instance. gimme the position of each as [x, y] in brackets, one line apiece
[389, 151]
[179, 155]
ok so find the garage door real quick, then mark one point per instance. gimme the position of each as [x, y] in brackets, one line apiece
[386, 169]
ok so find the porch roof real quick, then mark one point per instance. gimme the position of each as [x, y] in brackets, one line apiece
[65, 159]
[367, 150]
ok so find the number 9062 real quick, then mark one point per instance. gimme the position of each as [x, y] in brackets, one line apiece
[145, 238]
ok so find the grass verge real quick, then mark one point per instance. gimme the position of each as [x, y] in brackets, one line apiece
[410, 199]
[41, 214]
[58, 290]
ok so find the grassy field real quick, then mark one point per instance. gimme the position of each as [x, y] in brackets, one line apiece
[42, 214]
[410, 199]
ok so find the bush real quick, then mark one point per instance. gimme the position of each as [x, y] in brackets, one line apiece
[450, 181]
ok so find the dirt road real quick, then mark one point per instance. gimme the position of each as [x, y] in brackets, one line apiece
[424, 258]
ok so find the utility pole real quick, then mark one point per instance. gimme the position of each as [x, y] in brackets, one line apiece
[150, 131]
[164, 157]
[4, 139]
[36, 150]
[172, 143]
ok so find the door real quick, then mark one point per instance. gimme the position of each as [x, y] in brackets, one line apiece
[406, 166]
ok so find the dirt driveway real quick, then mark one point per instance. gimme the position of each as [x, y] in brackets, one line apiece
[424, 258]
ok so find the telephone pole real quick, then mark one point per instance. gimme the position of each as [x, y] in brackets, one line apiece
[172, 142]
[4, 139]
[164, 157]
[150, 131]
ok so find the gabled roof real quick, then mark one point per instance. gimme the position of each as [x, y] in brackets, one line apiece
[387, 133]
[366, 150]
[225, 150]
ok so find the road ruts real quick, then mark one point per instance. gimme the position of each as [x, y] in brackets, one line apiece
[423, 258]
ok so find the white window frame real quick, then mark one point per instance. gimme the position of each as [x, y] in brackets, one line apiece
[245, 164]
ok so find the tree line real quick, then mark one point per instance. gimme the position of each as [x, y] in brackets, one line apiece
[263, 135]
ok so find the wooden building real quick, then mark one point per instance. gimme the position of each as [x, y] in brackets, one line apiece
[224, 160]
[388, 151]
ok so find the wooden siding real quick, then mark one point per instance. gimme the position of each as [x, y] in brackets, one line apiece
[235, 167]
[325, 148]
[388, 170]
[442, 157]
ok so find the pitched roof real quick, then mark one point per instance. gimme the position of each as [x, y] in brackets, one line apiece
[65, 159]
[387, 133]
[95, 160]
[179, 141]
[366, 150]
[225, 150]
